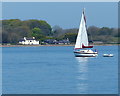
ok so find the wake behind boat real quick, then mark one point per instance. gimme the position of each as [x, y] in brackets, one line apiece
[82, 48]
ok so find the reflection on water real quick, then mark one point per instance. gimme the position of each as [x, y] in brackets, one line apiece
[82, 59]
[82, 74]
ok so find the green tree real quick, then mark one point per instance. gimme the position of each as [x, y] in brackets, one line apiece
[37, 33]
[71, 36]
[43, 25]
[105, 31]
[37, 30]
[57, 31]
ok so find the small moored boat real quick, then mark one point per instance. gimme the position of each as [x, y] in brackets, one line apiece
[107, 55]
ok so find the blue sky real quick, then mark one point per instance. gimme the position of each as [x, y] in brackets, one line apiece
[65, 14]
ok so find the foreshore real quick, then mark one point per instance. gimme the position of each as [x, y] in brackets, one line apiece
[32, 45]
[53, 45]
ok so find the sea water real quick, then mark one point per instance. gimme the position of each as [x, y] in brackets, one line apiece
[55, 70]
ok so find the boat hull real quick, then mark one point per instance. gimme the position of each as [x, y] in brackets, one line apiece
[85, 55]
[107, 55]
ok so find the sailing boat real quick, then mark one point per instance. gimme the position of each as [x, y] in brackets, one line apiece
[82, 48]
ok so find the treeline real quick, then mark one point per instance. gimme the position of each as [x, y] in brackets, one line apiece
[14, 29]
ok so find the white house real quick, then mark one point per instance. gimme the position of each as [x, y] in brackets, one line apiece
[28, 41]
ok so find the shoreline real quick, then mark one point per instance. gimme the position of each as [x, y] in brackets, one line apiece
[53, 45]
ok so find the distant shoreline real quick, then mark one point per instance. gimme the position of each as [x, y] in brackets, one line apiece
[53, 45]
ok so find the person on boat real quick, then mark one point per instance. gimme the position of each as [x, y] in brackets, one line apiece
[96, 50]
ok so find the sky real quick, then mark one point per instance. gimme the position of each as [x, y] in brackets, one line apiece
[64, 14]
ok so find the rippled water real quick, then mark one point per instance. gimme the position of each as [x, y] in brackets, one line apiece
[55, 70]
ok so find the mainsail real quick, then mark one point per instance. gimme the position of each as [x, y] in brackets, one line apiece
[82, 38]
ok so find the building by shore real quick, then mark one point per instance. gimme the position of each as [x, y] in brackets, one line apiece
[28, 41]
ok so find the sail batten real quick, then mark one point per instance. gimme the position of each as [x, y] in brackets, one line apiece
[82, 38]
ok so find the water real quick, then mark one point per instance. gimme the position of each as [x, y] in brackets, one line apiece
[55, 70]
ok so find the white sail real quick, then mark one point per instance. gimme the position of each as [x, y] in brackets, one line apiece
[82, 38]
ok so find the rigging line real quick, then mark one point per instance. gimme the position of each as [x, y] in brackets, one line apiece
[90, 34]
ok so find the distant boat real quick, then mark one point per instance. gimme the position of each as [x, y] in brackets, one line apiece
[81, 46]
[107, 55]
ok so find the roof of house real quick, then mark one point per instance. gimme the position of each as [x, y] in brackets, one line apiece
[55, 41]
[23, 39]
[64, 41]
[30, 38]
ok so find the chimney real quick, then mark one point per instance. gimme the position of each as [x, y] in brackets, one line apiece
[33, 37]
[67, 39]
[24, 38]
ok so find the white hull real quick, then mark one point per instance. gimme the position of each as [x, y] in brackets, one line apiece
[107, 55]
[85, 55]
